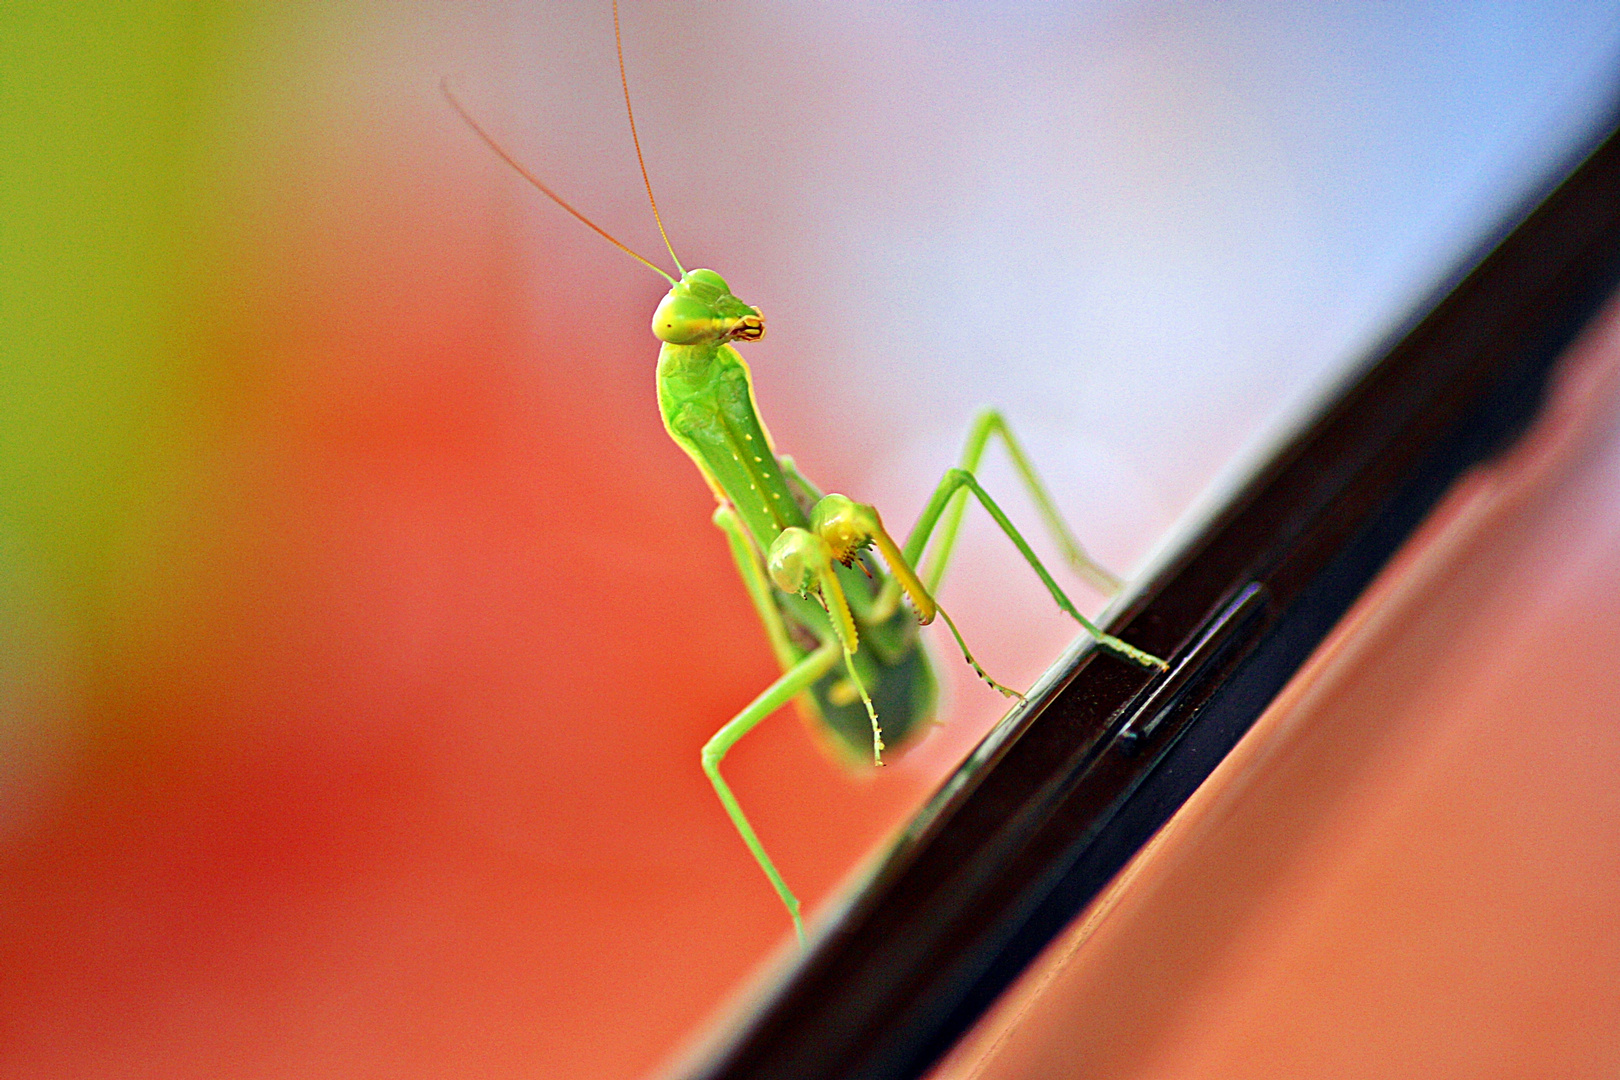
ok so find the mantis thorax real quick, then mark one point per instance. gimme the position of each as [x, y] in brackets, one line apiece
[706, 395]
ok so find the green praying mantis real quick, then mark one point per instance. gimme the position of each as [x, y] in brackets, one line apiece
[849, 648]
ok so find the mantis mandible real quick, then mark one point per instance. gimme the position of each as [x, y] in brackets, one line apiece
[849, 649]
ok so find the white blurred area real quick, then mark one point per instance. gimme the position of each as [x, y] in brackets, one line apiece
[1153, 233]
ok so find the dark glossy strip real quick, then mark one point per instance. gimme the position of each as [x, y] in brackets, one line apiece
[1231, 628]
[1059, 797]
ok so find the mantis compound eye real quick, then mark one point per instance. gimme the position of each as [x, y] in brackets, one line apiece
[706, 284]
[682, 319]
[795, 560]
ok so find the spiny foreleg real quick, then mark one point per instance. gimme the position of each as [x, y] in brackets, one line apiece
[801, 561]
[848, 529]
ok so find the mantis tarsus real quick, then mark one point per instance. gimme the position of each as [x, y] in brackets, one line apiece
[850, 652]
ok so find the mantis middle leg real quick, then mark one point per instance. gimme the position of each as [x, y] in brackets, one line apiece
[795, 681]
[799, 674]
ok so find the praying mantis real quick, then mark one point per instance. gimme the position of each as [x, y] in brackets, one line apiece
[843, 626]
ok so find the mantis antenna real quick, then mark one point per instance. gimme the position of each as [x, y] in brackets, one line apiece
[455, 103]
[624, 80]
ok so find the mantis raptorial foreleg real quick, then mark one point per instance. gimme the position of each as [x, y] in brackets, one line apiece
[842, 530]
[795, 681]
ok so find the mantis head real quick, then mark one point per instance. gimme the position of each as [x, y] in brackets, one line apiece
[700, 308]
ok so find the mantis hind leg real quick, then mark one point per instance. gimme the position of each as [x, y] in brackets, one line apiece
[990, 422]
[952, 487]
[795, 681]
